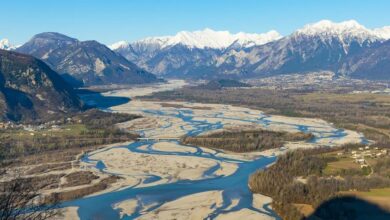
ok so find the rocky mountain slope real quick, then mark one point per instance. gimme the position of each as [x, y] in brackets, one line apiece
[316, 47]
[30, 90]
[321, 46]
[206, 38]
[188, 54]
[90, 62]
[372, 63]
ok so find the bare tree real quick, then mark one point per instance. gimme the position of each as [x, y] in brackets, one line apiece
[20, 199]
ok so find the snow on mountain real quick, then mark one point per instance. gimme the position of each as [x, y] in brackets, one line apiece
[250, 40]
[119, 45]
[206, 38]
[201, 39]
[383, 32]
[5, 45]
[323, 45]
[346, 31]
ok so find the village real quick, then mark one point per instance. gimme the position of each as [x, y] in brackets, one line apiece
[363, 153]
[361, 157]
[54, 125]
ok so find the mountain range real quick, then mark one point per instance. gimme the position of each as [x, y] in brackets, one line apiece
[84, 62]
[188, 54]
[345, 48]
[30, 90]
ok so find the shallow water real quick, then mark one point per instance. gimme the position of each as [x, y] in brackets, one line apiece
[233, 186]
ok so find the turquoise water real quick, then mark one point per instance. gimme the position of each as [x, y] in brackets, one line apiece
[233, 186]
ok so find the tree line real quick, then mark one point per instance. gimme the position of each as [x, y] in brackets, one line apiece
[281, 181]
[245, 141]
[99, 130]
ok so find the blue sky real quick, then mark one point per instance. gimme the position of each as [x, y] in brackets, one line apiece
[111, 20]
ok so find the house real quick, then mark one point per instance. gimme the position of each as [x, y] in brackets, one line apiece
[363, 165]
[55, 127]
[367, 153]
[29, 128]
[360, 161]
[360, 148]
[41, 127]
[367, 147]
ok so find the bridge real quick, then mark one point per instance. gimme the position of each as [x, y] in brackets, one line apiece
[158, 139]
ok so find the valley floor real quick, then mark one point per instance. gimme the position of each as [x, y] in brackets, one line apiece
[186, 175]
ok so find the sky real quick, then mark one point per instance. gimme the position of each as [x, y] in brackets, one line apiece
[109, 21]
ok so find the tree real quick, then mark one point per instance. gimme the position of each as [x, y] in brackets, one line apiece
[21, 199]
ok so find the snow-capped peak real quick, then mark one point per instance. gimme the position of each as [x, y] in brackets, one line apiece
[383, 32]
[118, 45]
[345, 30]
[5, 45]
[202, 39]
[249, 40]
[327, 26]
[209, 38]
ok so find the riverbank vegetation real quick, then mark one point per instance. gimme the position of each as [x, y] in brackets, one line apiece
[45, 159]
[245, 141]
[300, 181]
[299, 178]
[84, 130]
[364, 112]
[66, 195]
[22, 194]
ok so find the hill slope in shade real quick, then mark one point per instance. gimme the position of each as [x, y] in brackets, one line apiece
[30, 90]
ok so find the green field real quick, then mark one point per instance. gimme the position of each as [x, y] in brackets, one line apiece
[385, 192]
[342, 164]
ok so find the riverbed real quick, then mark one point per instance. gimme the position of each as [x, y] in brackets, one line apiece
[162, 179]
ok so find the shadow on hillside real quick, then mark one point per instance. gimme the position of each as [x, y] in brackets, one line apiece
[349, 208]
[97, 100]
